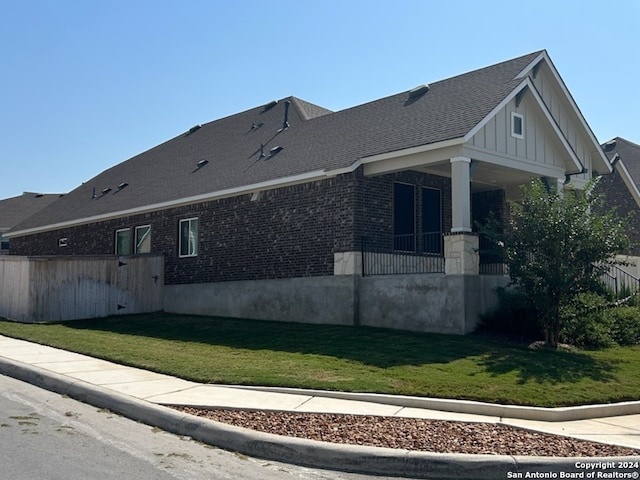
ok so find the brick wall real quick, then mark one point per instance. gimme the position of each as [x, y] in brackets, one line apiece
[374, 205]
[616, 195]
[287, 232]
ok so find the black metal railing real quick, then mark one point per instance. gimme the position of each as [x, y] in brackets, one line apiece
[403, 254]
[493, 268]
[620, 282]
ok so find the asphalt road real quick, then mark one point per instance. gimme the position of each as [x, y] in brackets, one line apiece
[46, 436]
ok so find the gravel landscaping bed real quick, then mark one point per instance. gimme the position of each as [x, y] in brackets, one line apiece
[412, 434]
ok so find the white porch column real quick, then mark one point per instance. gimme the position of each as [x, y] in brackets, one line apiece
[460, 195]
[461, 246]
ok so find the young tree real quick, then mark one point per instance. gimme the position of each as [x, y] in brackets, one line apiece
[556, 246]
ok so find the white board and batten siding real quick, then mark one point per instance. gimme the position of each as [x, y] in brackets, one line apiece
[538, 151]
[72, 288]
[565, 116]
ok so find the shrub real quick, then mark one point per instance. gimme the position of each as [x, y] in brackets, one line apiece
[592, 321]
[588, 330]
[625, 325]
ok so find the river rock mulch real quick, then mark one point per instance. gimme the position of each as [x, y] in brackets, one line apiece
[411, 433]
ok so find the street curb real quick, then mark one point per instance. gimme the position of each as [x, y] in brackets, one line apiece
[310, 453]
[560, 414]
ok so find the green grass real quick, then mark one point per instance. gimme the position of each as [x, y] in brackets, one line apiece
[218, 350]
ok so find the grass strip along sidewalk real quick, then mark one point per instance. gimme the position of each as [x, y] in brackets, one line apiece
[357, 359]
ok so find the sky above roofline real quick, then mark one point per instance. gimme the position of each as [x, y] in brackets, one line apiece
[87, 85]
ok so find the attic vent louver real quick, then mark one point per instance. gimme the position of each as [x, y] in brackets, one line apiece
[270, 105]
[418, 91]
[609, 146]
[122, 185]
[275, 150]
[202, 163]
[193, 129]
[106, 190]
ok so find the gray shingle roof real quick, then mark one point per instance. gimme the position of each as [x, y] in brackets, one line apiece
[317, 139]
[16, 209]
[629, 153]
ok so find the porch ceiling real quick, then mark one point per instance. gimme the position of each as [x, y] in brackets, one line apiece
[485, 176]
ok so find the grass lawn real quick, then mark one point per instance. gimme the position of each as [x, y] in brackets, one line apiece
[218, 350]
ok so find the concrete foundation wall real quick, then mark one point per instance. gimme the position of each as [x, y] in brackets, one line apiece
[427, 303]
[328, 299]
[424, 303]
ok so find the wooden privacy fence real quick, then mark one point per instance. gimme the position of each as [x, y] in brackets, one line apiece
[43, 289]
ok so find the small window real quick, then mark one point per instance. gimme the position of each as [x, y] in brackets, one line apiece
[62, 242]
[4, 243]
[123, 241]
[143, 239]
[188, 241]
[517, 125]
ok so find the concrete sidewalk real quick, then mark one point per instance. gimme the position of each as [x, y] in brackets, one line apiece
[141, 394]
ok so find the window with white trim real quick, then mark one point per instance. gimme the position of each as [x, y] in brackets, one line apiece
[143, 239]
[188, 238]
[123, 241]
[517, 125]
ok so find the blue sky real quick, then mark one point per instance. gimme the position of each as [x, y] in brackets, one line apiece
[87, 84]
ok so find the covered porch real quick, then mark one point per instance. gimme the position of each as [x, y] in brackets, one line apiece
[436, 232]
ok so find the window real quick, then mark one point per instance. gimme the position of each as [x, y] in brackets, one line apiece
[431, 220]
[404, 217]
[63, 242]
[123, 241]
[517, 125]
[4, 243]
[188, 241]
[143, 239]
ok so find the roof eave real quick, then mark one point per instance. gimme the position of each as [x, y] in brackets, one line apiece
[230, 192]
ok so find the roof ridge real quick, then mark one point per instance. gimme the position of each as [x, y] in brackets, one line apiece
[626, 141]
[309, 110]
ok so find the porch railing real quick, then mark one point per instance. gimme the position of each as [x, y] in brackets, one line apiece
[403, 254]
[620, 282]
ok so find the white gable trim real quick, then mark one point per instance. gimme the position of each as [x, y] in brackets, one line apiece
[596, 146]
[525, 71]
[526, 83]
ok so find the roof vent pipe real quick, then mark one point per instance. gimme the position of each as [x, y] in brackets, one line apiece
[285, 123]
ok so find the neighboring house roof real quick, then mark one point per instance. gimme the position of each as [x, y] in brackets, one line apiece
[223, 157]
[17, 209]
[625, 158]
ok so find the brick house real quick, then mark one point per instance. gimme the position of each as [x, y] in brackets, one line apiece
[16, 209]
[289, 211]
[620, 191]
